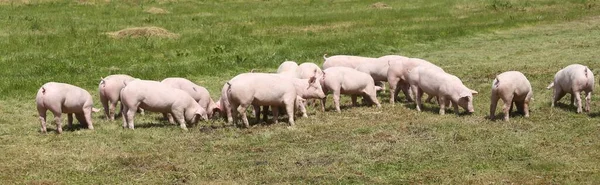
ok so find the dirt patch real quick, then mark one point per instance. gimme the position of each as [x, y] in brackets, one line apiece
[137, 32]
[380, 5]
[155, 10]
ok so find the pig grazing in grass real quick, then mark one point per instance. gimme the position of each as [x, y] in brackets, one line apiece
[158, 97]
[511, 87]
[263, 89]
[109, 90]
[64, 98]
[397, 74]
[573, 79]
[199, 93]
[448, 88]
[343, 80]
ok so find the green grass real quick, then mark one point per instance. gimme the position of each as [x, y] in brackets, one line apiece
[51, 40]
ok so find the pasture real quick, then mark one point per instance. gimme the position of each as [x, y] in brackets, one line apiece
[212, 41]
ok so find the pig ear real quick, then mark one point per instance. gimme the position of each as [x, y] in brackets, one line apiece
[473, 92]
[312, 80]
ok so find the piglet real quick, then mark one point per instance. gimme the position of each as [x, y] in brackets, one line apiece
[511, 87]
[344, 80]
[199, 93]
[448, 88]
[64, 98]
[109, 90]
[573, 79]
[158, 97]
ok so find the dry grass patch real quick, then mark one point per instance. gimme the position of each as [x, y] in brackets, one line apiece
[155, 10]
[137, 32]
[310, 28]
[380, 5]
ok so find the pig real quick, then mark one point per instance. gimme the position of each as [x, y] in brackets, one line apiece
[573, 79]
[448, 88]
[64, 98]
[301, 85]
[288, 68]
[258, 89]
[397, 74]
[109, 90]
[511, 87]
[348, 61]
[158, 97]
[378, 69]
[199, 93]
[345, 61]
[343, 80]
[307, 70]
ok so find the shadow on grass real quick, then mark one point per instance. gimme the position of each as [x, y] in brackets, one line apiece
[66, 128]
[500, 116]
[566, 107]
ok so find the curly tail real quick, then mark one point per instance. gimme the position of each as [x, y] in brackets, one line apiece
[325, 56]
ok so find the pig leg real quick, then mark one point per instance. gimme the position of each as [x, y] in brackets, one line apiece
[442, 104]
[578, 99]
[507, 108]
[406, 90]
[572, 99]
[42, 113]
[104, 101]
[168, 117]
[58, 120]
[111, 110]
[372, 98]
[455, 105]
[242, 110]
[275, 114]
[70, 120]
[354, 103]
[265, 112]
[234, 113]
[336, 100]
[526, 108]
[588, 100]
[519, 105]
[256, 111]
[302, 108]
[87, 113]
[493, 105]
[178, 115]
[128, 116]
[289, 107]
[558, 94]
[394, 88]
[418, 93]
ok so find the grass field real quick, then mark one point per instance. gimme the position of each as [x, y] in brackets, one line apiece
[67, 41]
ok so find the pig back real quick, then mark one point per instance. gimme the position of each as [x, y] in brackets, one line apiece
[195, 91]
[346, 61]
[261, 87]
[72, 99]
